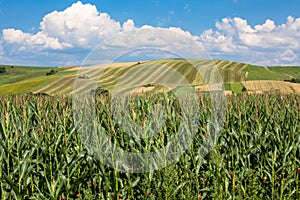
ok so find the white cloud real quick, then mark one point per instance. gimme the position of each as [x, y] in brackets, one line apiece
[268, 41]
[268, 26]
[216, 41]
[12, 35]
[267, 35]
[128, 25]
[169, 42]
[242, 25]
[80, 25]
[288, 56]
[38, 41]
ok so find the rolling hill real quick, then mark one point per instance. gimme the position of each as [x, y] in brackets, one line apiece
[237, 77]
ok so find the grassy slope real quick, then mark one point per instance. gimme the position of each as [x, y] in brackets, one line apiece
[271, 73]
[18, 80]
[32, 79]
[18, 73]
[290, 72]
[236, 87]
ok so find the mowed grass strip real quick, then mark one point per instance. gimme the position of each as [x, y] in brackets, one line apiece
[52, 81]
[65, 84]
[57, 85]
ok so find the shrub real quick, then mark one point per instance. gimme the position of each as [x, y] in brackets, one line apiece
[100, 91]
[2, 70]
[148, 85]
[52, 72]
[293, 80]
[244, 89]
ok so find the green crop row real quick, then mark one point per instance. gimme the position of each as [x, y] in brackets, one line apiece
[257, 156]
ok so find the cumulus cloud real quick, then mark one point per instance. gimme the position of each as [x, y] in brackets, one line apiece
[128, 25]
[37, 41]
[288, 56]
[268, 26]
[148, 42]
[80, 25]
[278, 43]
[216, 41]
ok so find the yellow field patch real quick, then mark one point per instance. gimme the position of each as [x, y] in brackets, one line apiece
[267, 86]
[211, 87]
[143, 89]
[20, 87]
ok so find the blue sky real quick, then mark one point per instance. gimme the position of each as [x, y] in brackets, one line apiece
[33, 32]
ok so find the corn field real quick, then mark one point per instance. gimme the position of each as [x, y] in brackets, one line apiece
[257, 155]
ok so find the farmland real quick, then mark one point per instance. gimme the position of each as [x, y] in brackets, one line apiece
[256, 156]
[21, 80]
[272, 86]
[45, 155]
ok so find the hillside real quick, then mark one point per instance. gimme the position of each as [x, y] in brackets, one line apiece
[236, 77]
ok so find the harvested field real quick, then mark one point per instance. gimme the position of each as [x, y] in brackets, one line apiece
[267, 86]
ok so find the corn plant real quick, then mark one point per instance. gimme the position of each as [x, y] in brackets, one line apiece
[43, 156]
